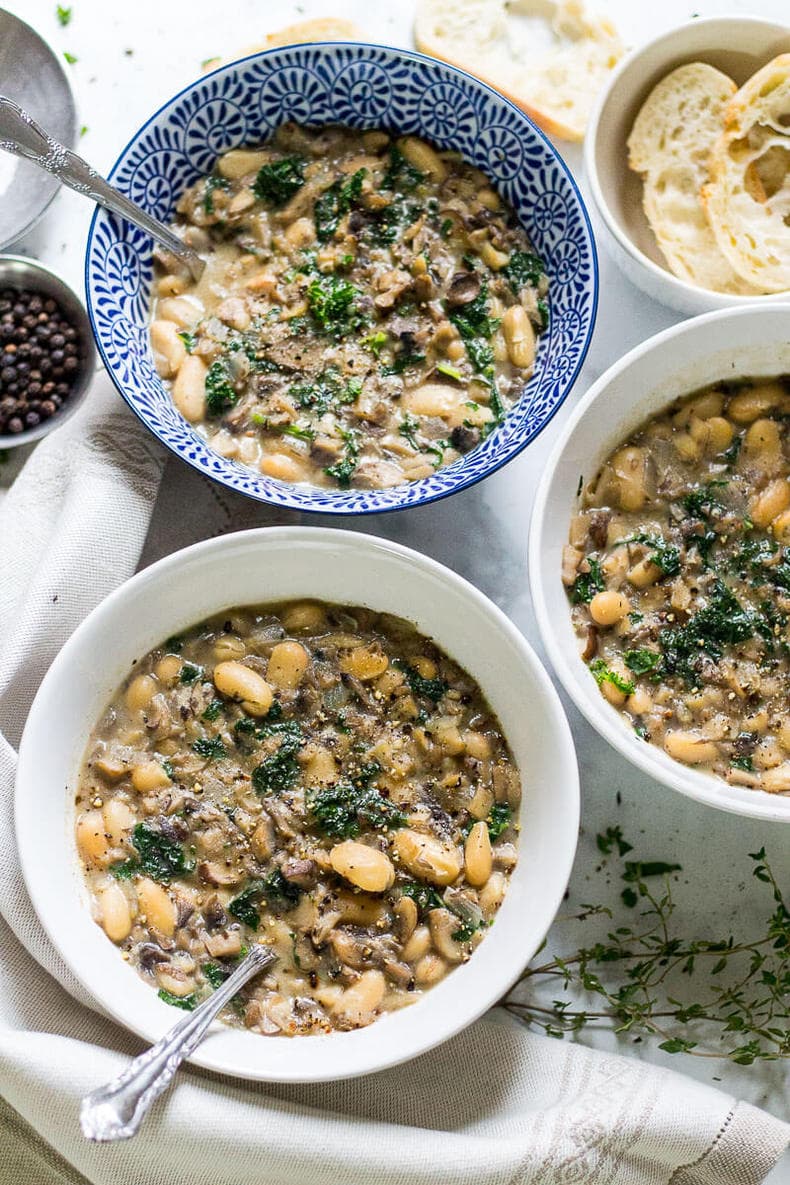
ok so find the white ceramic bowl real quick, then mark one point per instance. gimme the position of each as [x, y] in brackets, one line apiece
[274, 564]
[737, 45]
[722, 345]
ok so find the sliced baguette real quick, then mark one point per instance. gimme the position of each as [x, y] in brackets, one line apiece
[669, 146]
[325, 28]
[747, 198]
[554, 83]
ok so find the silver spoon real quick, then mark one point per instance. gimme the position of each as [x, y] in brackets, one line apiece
[21, 135]
[115, 1111]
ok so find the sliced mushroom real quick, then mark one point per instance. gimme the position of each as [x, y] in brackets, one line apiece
[463, 289]
[214, 873]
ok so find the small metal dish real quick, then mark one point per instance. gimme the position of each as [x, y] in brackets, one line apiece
[32, 75]
[16, 271]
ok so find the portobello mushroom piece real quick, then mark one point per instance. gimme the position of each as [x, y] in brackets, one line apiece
[464, 439]
[214, 913]
[221, 875]
[225, 944]
[303, 873]
[464, 287]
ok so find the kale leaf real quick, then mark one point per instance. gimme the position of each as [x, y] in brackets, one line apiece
[277, 182]
[278, 772]
[523, 268]
[335, 202]
[642, 661]
[424, 896]
[158, 857]
[273, 887]
[220, 392]
[432, 689]
[212, 748]
[401, 176]
[604, 674]
[188, 1003]
[340, 811]
[333, 306]
[587, 584]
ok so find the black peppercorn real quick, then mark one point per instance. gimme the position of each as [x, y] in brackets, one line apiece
[39, 359]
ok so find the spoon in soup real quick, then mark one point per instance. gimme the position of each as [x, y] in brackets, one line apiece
[116, 1110]
[22, 136]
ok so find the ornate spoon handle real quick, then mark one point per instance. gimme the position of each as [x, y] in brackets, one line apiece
[20, 134]
[115, 1111]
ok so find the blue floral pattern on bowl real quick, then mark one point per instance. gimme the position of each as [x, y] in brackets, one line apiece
[362, 86]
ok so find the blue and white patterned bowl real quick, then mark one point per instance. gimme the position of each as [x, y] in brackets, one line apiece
[362, 86]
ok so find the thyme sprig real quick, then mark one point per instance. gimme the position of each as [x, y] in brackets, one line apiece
[737, 995]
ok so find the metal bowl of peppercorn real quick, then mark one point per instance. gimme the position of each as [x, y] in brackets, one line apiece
[47, 356]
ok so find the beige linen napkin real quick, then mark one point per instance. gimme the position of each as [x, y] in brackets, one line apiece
[495, 1106]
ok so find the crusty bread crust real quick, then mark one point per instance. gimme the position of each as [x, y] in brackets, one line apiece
[555, 86]
[325, 28]
[747, 197]
[669, 146]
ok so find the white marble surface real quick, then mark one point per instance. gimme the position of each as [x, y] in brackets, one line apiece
[131, 58]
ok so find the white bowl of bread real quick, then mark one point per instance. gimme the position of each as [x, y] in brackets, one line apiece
[688, 160]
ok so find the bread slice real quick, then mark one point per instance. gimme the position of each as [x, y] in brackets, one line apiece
[669, 145]
[747, 198]
[324, 28]
[548, 56]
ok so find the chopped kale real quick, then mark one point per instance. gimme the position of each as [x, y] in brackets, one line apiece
[722, 622]
[174, 645]
[213, 182]
[158, 857]
[432, 689]
[327, 391]
[211, 748]
[446, 227]
[407, 427]
[277, 182]
[341, 811]
[604, 674]
[498, 820]
[189, 340]
[745, 763]
[278, 772]
[375, 342]
[587, 584]
[701, 502]
[401, 176]
[642, 661]
[524, 268]
[344, 470]
[273, 887]
[467, 929]
[167, 766]
[544, 313]
[190, 673]
[424, 896]
[335, 202]
[664, 555]
[220, 392]
[188, 1003]
[333, 306]
[213, 709]
[215, 974]
[403, 360]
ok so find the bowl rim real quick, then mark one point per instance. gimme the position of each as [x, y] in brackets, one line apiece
[604, 718]
[682, 290]
[463, 481]
[401, 1046]
[33, 222]
[76, 398]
